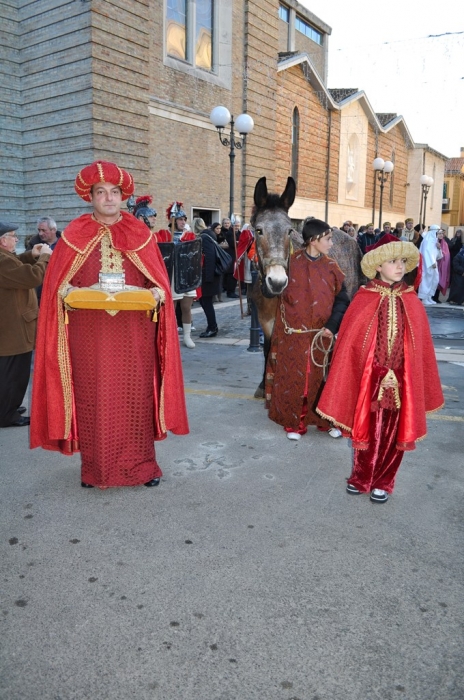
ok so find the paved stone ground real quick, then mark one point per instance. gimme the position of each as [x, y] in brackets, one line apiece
[249, 573]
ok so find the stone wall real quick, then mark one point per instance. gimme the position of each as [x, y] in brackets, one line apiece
[12, 190]
[56, 99]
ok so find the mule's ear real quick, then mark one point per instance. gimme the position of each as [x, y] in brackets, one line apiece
[288, 196]
[260, 195]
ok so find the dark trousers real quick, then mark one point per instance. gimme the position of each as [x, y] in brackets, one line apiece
[208, 308]
[230, 283]
[15, 371]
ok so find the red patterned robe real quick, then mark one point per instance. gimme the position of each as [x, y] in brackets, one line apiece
[293, 381]
[107, 385]
[385, 331]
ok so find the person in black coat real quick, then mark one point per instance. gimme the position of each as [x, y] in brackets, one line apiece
[210, 282]
[456, 295]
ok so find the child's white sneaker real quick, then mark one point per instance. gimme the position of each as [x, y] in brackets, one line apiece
[293, 436]
[379, 496]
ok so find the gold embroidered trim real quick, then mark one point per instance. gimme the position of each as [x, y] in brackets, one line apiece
[90, 245]
[111, 259]
[390, 377]
[100, 172]
[331, 419]
[134, 250]
[64, 361]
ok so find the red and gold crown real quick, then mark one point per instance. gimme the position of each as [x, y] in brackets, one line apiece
[103, 171]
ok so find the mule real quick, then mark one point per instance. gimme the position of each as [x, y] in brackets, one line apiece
[274, 235]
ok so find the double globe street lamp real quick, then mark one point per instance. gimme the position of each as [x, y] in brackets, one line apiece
[221, 117]
[426, 183]
[382, 169]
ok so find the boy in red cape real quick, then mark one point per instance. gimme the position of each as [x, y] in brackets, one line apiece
[383, 378]
[107, 383]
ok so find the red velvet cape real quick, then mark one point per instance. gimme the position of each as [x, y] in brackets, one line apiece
[53, 412]
[346, 398]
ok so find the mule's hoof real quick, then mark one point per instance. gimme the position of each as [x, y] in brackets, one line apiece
[259, 393]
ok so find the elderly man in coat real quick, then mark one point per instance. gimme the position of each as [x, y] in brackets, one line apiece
[19, 275]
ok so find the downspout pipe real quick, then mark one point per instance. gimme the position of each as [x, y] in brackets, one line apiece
[327, 181]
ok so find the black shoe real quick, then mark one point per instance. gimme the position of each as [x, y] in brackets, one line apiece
[352, 489]
[21, 410]
[209, 334]
[23, 420]
[86, 486]
[232, 295]
[153, 482]
[379, 496]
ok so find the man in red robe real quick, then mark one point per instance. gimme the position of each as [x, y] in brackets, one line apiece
[107, 383]
[383, 378]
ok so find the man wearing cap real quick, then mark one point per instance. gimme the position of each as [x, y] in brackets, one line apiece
[383, 377]
[18, 319]
[408, 231]
[367, 238]
[107, 382]
[387, 229]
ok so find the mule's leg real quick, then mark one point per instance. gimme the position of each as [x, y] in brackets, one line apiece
[260, 391]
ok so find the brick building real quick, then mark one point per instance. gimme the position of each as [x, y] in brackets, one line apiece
[135, 82]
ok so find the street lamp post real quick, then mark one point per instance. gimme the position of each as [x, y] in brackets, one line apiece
[221, 117]
[426, 183]
[382, 169]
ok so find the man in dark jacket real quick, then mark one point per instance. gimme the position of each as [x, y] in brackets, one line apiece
[18, 319]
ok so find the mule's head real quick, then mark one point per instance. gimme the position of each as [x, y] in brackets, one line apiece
[273, 229]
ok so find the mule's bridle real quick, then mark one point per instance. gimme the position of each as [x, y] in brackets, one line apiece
[270, 262]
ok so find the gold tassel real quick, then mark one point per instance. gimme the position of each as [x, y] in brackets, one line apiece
[155, 316]
[66, 319]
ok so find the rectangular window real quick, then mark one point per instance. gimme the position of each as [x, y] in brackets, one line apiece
[204, 34]
[307, 30]
[284, 13]
[176, 34]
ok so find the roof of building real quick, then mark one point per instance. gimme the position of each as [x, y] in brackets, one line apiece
[454, 166]
[386, 117]
[340, 94]
[339, 98]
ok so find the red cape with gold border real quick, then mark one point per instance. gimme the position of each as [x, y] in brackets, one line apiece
[53, 424]
[346, 398]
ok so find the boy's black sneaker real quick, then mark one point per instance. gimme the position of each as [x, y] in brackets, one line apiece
[352, 489]
[379, 496]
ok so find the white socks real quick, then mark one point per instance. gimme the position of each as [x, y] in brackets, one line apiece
[188, 342]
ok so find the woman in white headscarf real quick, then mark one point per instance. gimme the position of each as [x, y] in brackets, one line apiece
[429, 251]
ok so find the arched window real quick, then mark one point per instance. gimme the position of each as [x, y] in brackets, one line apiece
[295, 142]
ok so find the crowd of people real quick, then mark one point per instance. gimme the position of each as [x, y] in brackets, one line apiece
[114, 293]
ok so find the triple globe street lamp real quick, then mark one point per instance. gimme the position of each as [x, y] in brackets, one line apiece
[382, 169]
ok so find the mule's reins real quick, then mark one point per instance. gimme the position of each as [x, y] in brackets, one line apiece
[317, 342]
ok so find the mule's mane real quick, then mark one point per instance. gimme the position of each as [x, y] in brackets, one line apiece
[272, 203]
